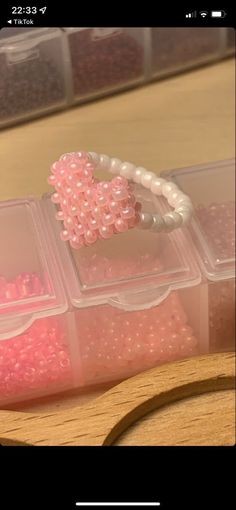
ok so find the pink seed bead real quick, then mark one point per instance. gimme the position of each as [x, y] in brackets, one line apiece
[108, 219]
[71, 179]
[103, 188]
[93, 224]
[56, 198]
[82, 217]
[55, 167]
[85, 206]
[96, 213]
[73, 210]
[114, 207]
[120, 194]
[58, 186]
[75, 242]
[80, 186]
[128, 213]
[101, 200]
[106, 231]
[52, 180]
[61, 174]
[11, 291]
[89, 165]
[68, 222]
[65, 235]
[119, 182]
[90, 236]
[79, 229]
[89, 194]
[60, 215]
[121, 225]
[68, 191]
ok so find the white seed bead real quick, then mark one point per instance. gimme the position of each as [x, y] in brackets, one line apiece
[114, 167]
[156, 185]
[95, 157]
[104, 162]
[167, 188]
[146, 221]
[171, 222]
[158, 224]
[185, 206]
[126, 170]
[174, 197]
[147, 179]
[183, 199]
[185, 212]
[138, 173]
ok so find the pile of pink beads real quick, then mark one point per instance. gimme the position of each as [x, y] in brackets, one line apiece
[23, 286]
[97, 268]
[218, 223]
[116, 344]
[222, 316]
[37, 358]
[90, 210]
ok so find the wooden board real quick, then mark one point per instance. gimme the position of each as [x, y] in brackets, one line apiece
[189, 402]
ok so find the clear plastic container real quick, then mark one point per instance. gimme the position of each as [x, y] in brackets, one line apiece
[212, 189]
[134, 297]
[32, 76]
[230, 41]
[105, 59]
[35, 339]
[178, 49]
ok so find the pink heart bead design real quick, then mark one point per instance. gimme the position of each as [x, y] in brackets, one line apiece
[90, 210]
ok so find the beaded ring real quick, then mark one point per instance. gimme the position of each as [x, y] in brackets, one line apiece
[92, 210]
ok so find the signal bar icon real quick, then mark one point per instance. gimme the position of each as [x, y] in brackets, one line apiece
[191, 14]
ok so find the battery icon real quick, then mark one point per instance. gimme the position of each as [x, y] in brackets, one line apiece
[218, 14]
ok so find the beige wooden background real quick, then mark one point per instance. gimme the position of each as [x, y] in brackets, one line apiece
[185, 120]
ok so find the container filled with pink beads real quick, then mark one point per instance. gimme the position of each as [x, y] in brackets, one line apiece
[212, 190]
[104, 60]
[71, 318]
[35, 343]
[132, 297]
[32, 74]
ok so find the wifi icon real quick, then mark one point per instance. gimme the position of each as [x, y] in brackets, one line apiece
[203, 14]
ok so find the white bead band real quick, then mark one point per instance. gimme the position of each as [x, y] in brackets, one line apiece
[181, 203]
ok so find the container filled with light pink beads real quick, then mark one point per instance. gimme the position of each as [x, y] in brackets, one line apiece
[212, 230]
[72, 318]
[35, 342]
[133, 298]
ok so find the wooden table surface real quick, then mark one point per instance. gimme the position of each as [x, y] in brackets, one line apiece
[182, 121]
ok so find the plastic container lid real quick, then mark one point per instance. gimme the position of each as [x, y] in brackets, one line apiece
[30, 284]
[133, 270]
[212, 190]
